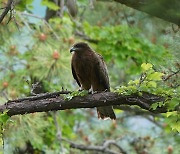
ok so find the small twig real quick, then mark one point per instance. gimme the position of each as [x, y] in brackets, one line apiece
[92, 148]
[113, 142]
[104, 148]
[170, 75]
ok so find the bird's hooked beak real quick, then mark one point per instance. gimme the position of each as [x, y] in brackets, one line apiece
[73, 49]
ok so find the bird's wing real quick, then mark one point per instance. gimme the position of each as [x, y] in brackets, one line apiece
[74, 75]
[101, 72]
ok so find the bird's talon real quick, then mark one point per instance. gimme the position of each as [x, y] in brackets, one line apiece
[95, 92]
[90, 91]
[80, 89]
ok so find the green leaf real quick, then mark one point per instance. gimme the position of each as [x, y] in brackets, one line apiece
[152, 84]
[176, 126]
[4, 117]
[155, 76]
[160, 104]
[146, 66]
[55, 20]
[173, 103]
[173, 119]
[154, 106]
[117, 111]
[168, 114]
[76, 93]
[25, 4]
[135, 82]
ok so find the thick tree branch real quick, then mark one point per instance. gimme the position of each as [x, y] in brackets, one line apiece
[6, 10]
[164, 9]
[55, 101]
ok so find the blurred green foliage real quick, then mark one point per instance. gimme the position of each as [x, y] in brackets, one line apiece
[126, 47]
[51, 5]
[39, 52]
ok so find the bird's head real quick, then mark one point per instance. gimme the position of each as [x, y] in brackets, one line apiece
[79, 47]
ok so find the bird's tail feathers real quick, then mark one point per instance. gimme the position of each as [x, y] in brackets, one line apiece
[106, 113]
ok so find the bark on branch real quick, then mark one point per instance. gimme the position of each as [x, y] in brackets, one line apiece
[55, 101]
[164, 9]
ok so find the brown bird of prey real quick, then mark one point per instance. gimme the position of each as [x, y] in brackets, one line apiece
[90, 72]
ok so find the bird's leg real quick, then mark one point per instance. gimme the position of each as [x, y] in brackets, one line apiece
[93, 92]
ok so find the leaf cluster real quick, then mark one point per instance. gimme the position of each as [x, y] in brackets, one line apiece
[152, 82]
